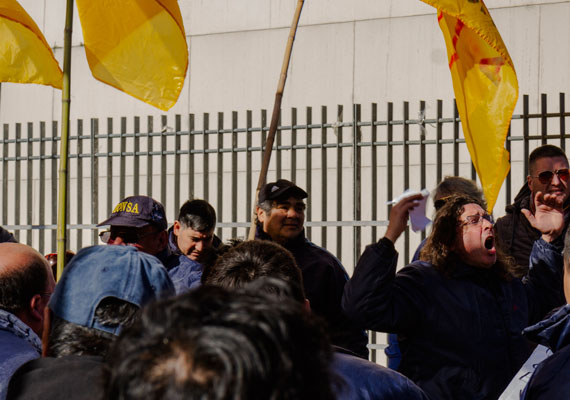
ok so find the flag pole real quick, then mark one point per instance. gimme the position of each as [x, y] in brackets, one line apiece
[63, 149]
[276, 112]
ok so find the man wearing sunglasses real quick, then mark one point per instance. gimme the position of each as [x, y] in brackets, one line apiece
[548, 173]
[140, 222]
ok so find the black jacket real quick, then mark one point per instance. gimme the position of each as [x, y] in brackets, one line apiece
[551, 378]
[463, 332]
[324, 278]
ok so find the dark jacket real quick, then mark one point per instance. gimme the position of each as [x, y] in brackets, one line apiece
[463, 332]
[6, 236]
[184, 272]
[364, 380]
[515, 235]
[324, 278]
[66, 378]
[551, 378]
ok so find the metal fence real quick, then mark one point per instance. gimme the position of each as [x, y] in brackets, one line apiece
[350, 166]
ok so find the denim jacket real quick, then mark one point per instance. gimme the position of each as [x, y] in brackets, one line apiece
[18, 345]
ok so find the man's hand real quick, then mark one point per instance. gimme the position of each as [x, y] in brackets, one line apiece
[399, 216]
[548, 217]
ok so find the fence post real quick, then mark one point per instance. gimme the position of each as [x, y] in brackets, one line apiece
[357, 215]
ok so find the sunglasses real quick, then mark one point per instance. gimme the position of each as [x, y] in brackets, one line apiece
[129, 235]
[545, 177]
[476, 219]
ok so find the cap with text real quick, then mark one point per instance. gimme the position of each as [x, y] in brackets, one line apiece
[137, 212]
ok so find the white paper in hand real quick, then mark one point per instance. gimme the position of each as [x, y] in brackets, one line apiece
[418, 217]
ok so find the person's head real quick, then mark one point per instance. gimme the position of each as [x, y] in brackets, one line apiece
[99, 293]
[137, 221]
[26, 284]
[548, 171]
[211, 343]
[281, 210]
[462, 231]
[52, 260]
[254, 259]
[455, 186]
[194, 228]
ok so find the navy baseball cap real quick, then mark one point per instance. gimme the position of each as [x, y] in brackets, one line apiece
[99, 272]
[280, 189]
[138, 211]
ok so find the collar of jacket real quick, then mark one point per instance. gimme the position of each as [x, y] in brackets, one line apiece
[554, 331]
[9, 322]
[292, 244]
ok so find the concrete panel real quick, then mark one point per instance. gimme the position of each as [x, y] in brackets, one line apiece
[554, 45]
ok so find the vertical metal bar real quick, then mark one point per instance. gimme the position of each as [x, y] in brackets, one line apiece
[339, 119]
[248, 169]
[455, 140]
[562, 102]
[177, 174]
[191, 168]
[357, 212]
[374, 169]
[390, 154]
[220, 172]
[42, 189]
[149, 148]
[109, 167]
[94, 176]
[278, 155]
[439, 147]
[137, 159]
[509, 182]
[123, 157]
[29, 182]
[423, 166]
[17, 180]
[5, 167]
[526, 130]
[407, 174]
[543, 118]
[293, 144]
[206, 161]
[309, 170]
[163, 170]
[55, 136]
[235, 126]
[79, 175]
[324, 188]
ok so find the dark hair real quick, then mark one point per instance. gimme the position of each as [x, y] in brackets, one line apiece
[544, 151]
[438, 249]
[198, 215]
[66, 338]
[454, 186]
[211, 343]
[19, 285]
[254, 259]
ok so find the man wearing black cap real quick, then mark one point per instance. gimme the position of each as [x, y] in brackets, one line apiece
[138, 221]
[280, 218]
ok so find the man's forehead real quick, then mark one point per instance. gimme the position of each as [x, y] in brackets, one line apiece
[197, 234]
[546, 161]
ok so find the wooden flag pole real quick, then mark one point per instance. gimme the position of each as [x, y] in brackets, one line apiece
[276, 113]
[63, 148]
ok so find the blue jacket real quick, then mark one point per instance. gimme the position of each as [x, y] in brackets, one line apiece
[551, 378]
[364, 380]
[184, 272]
[324, 278]
[18, 345]
[463, 332]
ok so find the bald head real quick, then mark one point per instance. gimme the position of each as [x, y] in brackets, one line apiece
[26, 282]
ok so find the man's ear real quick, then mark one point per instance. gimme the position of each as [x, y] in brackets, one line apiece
[46, 331]
[163, 239]
[176, 228]
[528, 181]
[260, 214]
[37, 308]
[307, 305]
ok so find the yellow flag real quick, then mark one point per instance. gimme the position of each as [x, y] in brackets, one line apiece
[25, 56]
[485, 85]
[137, 46]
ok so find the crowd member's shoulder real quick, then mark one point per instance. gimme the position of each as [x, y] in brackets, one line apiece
[6, 236]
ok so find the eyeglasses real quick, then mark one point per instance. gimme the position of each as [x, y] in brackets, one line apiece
[129, 235]
[477, 219]
[545, 177]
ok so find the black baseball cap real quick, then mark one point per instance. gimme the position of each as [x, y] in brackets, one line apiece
[137, 211]
[280, 189]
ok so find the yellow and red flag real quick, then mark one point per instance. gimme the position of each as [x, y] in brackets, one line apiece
[25, 56]
[137, 46]
[485, 85]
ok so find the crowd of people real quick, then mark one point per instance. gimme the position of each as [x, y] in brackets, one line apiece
[161, 312]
